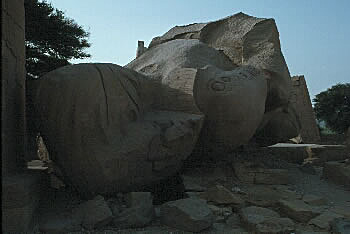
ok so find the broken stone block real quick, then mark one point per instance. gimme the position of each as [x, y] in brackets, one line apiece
[263, 220]
[93, 213]
[324, 220]
[314, 200]
[221, 195]
[188, 214]
[338, 172]
[298, 210]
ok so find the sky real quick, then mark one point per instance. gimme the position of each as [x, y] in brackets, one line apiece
[314, 34]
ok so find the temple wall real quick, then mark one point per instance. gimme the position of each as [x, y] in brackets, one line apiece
[12, 85]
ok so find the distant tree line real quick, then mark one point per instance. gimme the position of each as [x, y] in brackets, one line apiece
[333, 107]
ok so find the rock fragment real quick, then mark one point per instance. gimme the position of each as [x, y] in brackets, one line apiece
[188, 214]
[263, 220]
[139, 212]
[94, 213]
[221, 195]
[298, 210]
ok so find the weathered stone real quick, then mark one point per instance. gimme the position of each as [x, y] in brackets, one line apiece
[110, 139]
[187, 214]
[342, 210]
[219, 228]
[340, 226]
[337, 172]
[308, 168]
[263, 220]
[301, 101]
[59, 224]
[314, 200]
[233, 221]
[197, 76]
[12, 87]
[139, 213]
[298, 210]
[253, 41]
[93, 213]
[249, 173]
[261, 195]
[324, 220]
[134, 199]
[135, 217]
[221, 195]
[191, 184]
[20, 199]
[220, 211]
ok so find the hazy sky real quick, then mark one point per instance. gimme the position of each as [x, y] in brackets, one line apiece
[314, 34]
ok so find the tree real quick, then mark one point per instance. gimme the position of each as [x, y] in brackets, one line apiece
[333, 107]
[51, 38]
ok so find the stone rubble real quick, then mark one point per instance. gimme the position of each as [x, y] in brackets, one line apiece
[93, 213]
[187, 214]
[298, 210]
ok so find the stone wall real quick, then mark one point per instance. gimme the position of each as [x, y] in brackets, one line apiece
[12, 85]
[20, 188]
[301, 99]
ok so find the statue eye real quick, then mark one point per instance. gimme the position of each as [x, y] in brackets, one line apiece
[226, 79]
[218, 86]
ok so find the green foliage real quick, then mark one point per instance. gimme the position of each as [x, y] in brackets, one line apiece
[51, 38]
[333, 107]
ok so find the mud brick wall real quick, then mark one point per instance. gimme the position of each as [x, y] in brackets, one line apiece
[300, 98]
[12, 85]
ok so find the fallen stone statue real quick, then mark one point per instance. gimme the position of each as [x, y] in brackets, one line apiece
[112, 128]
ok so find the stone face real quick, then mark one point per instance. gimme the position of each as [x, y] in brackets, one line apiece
[187, 214]
[199, 76]
[242, 40]
[99, 128]
[337, 172]
[298, 210]
[263, 220]
[221, 195]
[94, 213]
